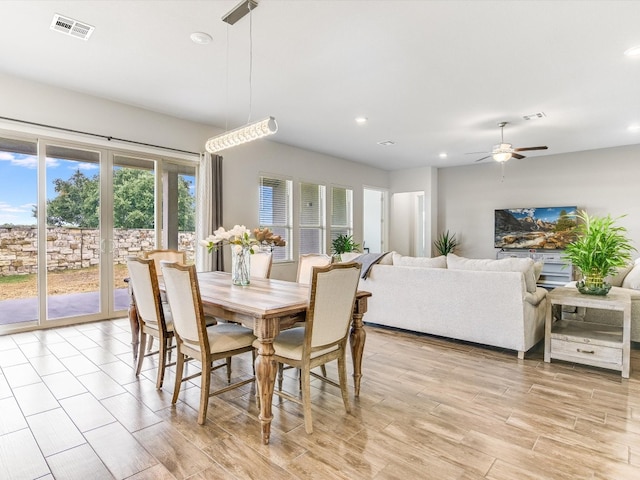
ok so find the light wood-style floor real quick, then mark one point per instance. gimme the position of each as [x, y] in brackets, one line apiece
[72, 408]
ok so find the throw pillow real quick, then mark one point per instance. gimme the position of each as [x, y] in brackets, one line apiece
[632, 280]
[617, 279]
[425, 262]
[387, 259]
[523, 265]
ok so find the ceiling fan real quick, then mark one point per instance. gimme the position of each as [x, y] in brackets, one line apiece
[504, 151]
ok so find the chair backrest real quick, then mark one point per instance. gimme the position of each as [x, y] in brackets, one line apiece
[173, 256]
[144, 282]
[183, 294]
[331, 301]
[306, 263]
[261, 264]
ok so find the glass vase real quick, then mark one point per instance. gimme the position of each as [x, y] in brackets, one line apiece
[240, 264]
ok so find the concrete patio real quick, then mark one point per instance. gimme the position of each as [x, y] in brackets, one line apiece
[59, 306]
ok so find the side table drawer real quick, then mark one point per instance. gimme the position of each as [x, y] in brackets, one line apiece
[586, 353]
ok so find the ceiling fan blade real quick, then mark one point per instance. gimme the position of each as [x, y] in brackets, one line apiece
[483, 158]
[524, 149]
[475, 153]
[518, 156]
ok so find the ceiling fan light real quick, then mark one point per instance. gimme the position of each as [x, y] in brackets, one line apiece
[501, 156]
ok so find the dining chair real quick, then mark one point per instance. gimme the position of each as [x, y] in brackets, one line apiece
[195, 340]
[261, 264]
[155, 320]
[157, 256]
[324, 337]
[306, 262]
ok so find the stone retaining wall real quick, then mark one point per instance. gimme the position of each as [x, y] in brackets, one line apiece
[74, 248]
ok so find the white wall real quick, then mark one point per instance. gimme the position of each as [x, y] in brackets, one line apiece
[600, 181]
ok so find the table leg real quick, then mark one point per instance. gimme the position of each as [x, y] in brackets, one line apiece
[356, 340]
[266, 370]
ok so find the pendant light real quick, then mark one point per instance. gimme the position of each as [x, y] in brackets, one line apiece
[250, 131]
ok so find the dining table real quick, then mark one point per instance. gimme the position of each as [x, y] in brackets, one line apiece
[267, 306]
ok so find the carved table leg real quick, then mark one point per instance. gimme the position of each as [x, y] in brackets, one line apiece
[266, 369]
[356, 340]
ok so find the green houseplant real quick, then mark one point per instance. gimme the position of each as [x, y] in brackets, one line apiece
[344, 244]
[600, 248]
[446, 243]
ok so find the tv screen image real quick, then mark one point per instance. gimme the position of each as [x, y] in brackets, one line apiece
[549, 228]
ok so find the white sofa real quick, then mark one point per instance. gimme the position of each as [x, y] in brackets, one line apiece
[468, 301]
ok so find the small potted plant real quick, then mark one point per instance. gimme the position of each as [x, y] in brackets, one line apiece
[343, 244]
[446, 243]
[600, 248]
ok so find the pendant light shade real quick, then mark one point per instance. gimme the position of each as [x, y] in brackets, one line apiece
[241, 135]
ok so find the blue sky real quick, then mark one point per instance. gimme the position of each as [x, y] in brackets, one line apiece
[547, 214]
[19, 188]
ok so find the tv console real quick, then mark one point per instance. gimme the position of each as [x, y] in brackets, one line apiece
[556, 271]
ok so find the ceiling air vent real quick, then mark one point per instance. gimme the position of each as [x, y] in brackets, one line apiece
[71, 27]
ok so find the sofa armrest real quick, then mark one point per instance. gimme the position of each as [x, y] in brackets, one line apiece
[535, 298]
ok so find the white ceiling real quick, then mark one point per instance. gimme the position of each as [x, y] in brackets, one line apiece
[432, 76]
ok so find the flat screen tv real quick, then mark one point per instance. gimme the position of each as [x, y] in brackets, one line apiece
[535, 228]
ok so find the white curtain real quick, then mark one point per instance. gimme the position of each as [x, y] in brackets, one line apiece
[208, 210]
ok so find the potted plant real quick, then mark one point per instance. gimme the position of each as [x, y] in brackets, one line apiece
[343, 244]
[446, 243]
[600, 248]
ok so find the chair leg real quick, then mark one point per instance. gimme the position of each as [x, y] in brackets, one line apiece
[342, 374]
[324, 370]
[205, 384]
[179, 372]
[306, 400]
[280, 375]
[150, 346]
[228, 369]
[162, 363]
[141, 346]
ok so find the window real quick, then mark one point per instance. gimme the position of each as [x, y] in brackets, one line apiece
[341, 211]
[275, 212]
[312, 218]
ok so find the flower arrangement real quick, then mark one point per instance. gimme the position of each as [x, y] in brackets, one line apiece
[242, 242]
[240, 236]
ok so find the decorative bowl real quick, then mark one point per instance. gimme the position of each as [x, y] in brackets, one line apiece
[593, 289]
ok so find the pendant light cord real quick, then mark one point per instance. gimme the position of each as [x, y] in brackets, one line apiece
[250, 58]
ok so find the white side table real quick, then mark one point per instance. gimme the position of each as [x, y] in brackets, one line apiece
[589, 343]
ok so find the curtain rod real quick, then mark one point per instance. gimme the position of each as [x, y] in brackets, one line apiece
[106, 137]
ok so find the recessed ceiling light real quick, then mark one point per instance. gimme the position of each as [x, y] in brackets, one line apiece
[634, 128]
[443, 155]
[361, 120]
[633, 51]
[201, 38]
[387, 143]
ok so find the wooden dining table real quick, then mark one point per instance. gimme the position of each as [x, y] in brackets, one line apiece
[269, 306]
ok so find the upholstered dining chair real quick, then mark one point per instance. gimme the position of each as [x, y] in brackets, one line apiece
[324, 337]
[261, 264]
[306, 262]
[197, 341]
[157, 256]
[155, 320]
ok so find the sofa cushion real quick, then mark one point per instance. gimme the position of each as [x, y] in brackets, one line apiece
[524, 265]
[632, 279]
[406, 261]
